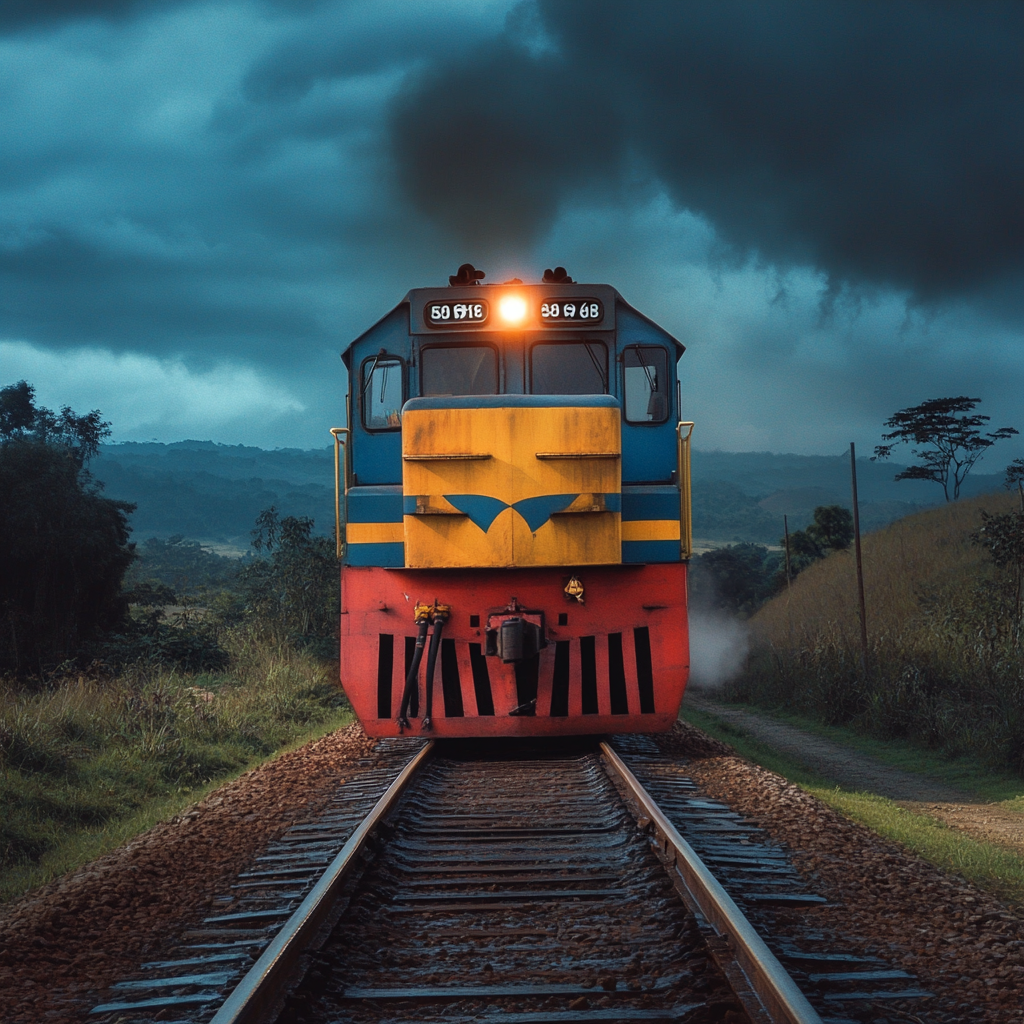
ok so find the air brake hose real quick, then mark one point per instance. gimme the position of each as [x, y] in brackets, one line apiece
[412, 678]
[435, 643]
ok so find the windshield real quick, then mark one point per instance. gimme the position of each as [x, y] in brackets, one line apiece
[569, 368]
[459, 370]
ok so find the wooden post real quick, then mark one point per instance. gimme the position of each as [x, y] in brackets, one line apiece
[860, 567]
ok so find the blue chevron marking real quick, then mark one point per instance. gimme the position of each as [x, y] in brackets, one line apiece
[480, 508]
[537, 511]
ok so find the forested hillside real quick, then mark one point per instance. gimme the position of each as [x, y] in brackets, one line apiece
[214, 492]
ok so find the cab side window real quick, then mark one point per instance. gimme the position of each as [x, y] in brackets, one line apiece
[382, 392]
[645, 384]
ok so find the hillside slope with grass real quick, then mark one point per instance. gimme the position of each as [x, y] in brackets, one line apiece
[945, 663]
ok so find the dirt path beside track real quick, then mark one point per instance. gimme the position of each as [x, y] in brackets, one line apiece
[858, 772]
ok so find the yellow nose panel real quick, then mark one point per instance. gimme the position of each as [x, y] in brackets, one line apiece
[511, 481]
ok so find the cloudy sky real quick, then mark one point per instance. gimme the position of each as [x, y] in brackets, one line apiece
[201, 203]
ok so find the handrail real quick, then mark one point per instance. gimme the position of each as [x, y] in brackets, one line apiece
[447, 456]
[578, 455]
[685, 494]
[336, 433]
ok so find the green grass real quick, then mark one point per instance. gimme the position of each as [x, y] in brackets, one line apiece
[990, 867]
[89, 763]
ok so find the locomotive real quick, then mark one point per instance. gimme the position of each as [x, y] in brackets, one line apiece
[512, 498]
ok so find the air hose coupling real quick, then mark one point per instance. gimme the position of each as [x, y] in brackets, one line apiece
[431, 613]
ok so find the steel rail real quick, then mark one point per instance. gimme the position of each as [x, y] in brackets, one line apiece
[768, 979]
[258, 991]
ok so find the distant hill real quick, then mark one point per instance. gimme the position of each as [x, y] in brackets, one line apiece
[213, 492]
[742, 496]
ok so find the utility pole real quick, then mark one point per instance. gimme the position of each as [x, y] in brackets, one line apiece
[860, 567]
[785, 526]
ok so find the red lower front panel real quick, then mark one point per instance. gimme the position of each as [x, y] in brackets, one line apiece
[617, 663]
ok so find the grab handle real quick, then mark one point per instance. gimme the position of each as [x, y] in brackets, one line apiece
[339, 445]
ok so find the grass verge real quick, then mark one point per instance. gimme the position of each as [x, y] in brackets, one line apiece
[991, 784]
[990, 867]
[88, 764]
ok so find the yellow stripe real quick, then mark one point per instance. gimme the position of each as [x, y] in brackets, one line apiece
[650, 529]
[374, 533]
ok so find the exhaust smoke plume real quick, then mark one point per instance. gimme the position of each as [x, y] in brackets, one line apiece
[718, 647]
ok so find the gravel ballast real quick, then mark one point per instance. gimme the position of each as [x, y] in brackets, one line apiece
[64, 944]
[962, 944]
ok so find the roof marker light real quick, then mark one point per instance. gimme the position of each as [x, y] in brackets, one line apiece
[512, 308]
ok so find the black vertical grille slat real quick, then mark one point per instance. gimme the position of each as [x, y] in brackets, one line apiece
[644, 672]
[560, 680]
[588, 674]
[385, 667]
[414, 701]
[481, 681]
[617, 676]
[527, 675]
[451, 686]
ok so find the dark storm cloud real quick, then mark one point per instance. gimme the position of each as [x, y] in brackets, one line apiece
[210, 178]
[18, 14]
[881, 142]
[492, 144]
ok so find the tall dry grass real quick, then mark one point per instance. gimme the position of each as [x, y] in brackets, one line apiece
[945, 662]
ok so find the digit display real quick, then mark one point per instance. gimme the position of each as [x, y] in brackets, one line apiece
[444, 314]
[571, 311]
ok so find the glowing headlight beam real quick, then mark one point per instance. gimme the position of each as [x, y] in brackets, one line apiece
[512, 308]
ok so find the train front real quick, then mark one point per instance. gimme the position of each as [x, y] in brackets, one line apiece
[516, 527]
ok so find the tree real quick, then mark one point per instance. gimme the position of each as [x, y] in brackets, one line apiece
[292, 592]
[831, 530]
[63, 547]
[948, 444]
[1015, 476]
[736, 578]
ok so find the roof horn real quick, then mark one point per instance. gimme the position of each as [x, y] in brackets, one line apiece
[468, 274]
[557, 276]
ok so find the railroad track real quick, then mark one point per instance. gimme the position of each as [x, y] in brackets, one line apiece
[518, 885]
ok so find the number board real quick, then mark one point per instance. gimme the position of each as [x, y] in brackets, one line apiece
[571, 310]
[442, 314]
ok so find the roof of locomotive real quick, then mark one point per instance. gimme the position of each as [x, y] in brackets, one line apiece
[489, 296]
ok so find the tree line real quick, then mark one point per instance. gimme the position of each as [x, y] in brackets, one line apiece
[65, 556]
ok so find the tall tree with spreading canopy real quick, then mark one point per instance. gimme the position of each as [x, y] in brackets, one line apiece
[948, 437]
[63, 546]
